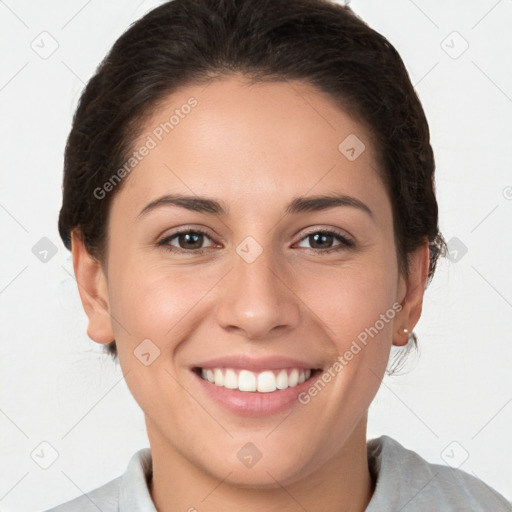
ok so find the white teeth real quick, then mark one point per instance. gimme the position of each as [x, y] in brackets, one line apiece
[293, 378]
[246, 381]
[230, 379]
[266, 382]
[282, 380]
[219, 378]
[263, 382]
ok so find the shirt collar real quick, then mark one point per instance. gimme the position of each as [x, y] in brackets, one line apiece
[134, 491]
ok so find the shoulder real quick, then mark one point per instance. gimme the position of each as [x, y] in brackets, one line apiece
[405, 481]
[105, 498]
[126, 492]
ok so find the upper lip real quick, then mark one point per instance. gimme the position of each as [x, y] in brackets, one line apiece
[255, 364]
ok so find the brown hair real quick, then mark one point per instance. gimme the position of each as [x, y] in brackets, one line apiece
[194, 41]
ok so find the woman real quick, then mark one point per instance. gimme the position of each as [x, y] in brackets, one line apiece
[249, 201]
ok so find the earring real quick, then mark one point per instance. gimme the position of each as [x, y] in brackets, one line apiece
[405, 331]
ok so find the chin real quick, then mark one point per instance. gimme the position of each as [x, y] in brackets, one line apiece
[268, 468]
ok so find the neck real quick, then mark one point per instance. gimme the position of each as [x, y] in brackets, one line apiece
[343, 483]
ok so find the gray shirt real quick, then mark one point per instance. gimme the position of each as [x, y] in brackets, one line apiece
[405, 482]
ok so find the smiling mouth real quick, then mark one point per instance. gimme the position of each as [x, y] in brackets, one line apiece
[266, 381]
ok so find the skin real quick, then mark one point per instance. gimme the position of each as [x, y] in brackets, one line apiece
[254, 148]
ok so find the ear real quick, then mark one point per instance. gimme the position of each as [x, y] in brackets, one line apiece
[411, 291]
[93, 290]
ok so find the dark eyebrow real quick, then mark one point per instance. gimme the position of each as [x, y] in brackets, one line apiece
[298, 205]
[193, 203]
[323, 202]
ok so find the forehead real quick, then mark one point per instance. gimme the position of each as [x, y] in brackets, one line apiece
[252, 141]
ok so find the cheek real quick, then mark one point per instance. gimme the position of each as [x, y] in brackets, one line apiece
[352, 297]
[149, 302]
[157, 301]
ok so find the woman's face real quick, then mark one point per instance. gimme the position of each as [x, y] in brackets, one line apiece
[279, 274]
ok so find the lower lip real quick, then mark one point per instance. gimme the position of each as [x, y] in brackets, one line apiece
[247, 403]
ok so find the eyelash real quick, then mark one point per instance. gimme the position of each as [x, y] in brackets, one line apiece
[345, 243]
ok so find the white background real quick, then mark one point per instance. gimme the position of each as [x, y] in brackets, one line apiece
[56, 384]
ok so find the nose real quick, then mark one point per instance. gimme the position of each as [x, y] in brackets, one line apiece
[257, 299]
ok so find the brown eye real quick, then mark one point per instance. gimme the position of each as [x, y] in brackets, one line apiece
[190, 240]
[321, 241]
[326, 241]
[185, 241]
